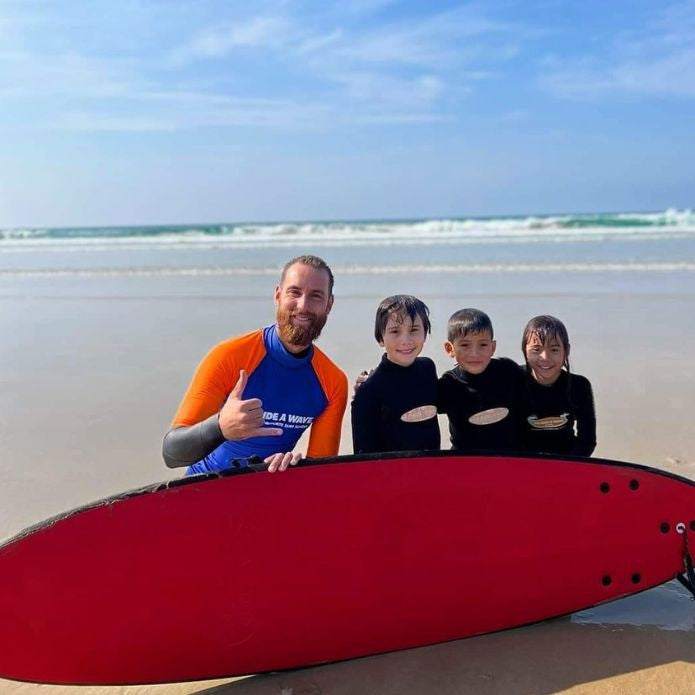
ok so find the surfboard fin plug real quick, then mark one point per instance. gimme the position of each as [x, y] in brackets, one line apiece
[688, 578]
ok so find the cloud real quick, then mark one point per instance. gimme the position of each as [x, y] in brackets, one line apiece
[415, 62]
[177, 111]
[320, 42]
[417, 92]
[658, 61]
[443, 40]
[83, 121]
[39, 76]
[257, 32]
[330, 64]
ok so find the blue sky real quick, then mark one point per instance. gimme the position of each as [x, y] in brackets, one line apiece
[172, 111]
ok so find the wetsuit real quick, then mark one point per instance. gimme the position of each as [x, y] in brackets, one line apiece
[296, 392]
[560, 418]
[483, 409]
[396, 409]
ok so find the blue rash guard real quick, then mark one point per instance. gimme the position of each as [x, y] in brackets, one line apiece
[292, 398]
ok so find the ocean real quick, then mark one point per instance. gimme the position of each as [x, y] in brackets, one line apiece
[617, 242]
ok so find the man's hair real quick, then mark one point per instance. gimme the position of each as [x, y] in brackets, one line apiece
[465, 321]
[312, 262]
[401, 305]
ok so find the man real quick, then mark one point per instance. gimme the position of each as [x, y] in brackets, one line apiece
[254, 395]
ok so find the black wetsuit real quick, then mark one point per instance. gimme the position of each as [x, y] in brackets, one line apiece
[560, 418]
[465, 398]
[395, 409]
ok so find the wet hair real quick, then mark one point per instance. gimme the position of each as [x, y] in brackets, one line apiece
[465, 321]
[546, 328]
[401, 305]
[312, 262]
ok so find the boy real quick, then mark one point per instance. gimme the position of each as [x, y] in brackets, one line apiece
[481, 396]
[396, 408]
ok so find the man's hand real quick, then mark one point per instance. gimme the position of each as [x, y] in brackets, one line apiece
[279, 462]
[240, 419]
[361, 378]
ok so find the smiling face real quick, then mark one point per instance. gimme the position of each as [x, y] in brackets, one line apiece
[472, 351]
[303, 301]
[545, 359]
[403, 339]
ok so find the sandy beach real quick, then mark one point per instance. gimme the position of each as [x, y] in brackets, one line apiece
[94, 368]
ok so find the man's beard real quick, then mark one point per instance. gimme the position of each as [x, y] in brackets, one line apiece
[301, 336]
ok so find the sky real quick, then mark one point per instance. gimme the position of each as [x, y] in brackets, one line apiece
[129, 112]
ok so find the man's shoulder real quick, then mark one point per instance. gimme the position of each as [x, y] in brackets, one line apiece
[327, 370]
[240, 352]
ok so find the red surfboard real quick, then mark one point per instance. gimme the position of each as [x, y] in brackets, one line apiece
[241, 573]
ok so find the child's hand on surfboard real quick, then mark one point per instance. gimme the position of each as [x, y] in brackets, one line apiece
[241, 419]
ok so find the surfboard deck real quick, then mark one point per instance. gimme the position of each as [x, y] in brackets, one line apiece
[216, 576]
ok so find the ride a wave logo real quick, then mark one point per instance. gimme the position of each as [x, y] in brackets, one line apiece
[288, 421]
[554, 422]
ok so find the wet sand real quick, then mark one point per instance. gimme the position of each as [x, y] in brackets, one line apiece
[94, 369]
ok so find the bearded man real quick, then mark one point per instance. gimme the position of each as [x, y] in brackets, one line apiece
[254, 395]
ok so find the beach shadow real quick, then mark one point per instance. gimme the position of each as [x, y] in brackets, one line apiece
[548, 657]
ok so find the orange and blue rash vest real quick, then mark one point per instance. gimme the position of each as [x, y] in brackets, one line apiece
[296, 392]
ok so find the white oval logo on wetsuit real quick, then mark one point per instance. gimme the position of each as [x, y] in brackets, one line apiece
[488, 417]
[420, 414]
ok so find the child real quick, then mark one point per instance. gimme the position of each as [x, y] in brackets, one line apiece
[559, 406]
[481, 396]
[396, 408]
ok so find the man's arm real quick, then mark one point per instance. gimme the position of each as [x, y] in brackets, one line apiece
[324, 437]
[238, 419]
[184, 446]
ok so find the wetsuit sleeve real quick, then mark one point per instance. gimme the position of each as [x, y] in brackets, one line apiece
[365, 421]
[585, 442]
[324, 436]
[195, 431]
[184, 446]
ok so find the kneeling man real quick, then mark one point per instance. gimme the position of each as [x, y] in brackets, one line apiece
[255, 394]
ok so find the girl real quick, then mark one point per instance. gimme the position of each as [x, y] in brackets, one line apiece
[559, 415]
[395, 409]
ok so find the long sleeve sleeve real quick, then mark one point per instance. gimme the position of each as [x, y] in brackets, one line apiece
[586, 420]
